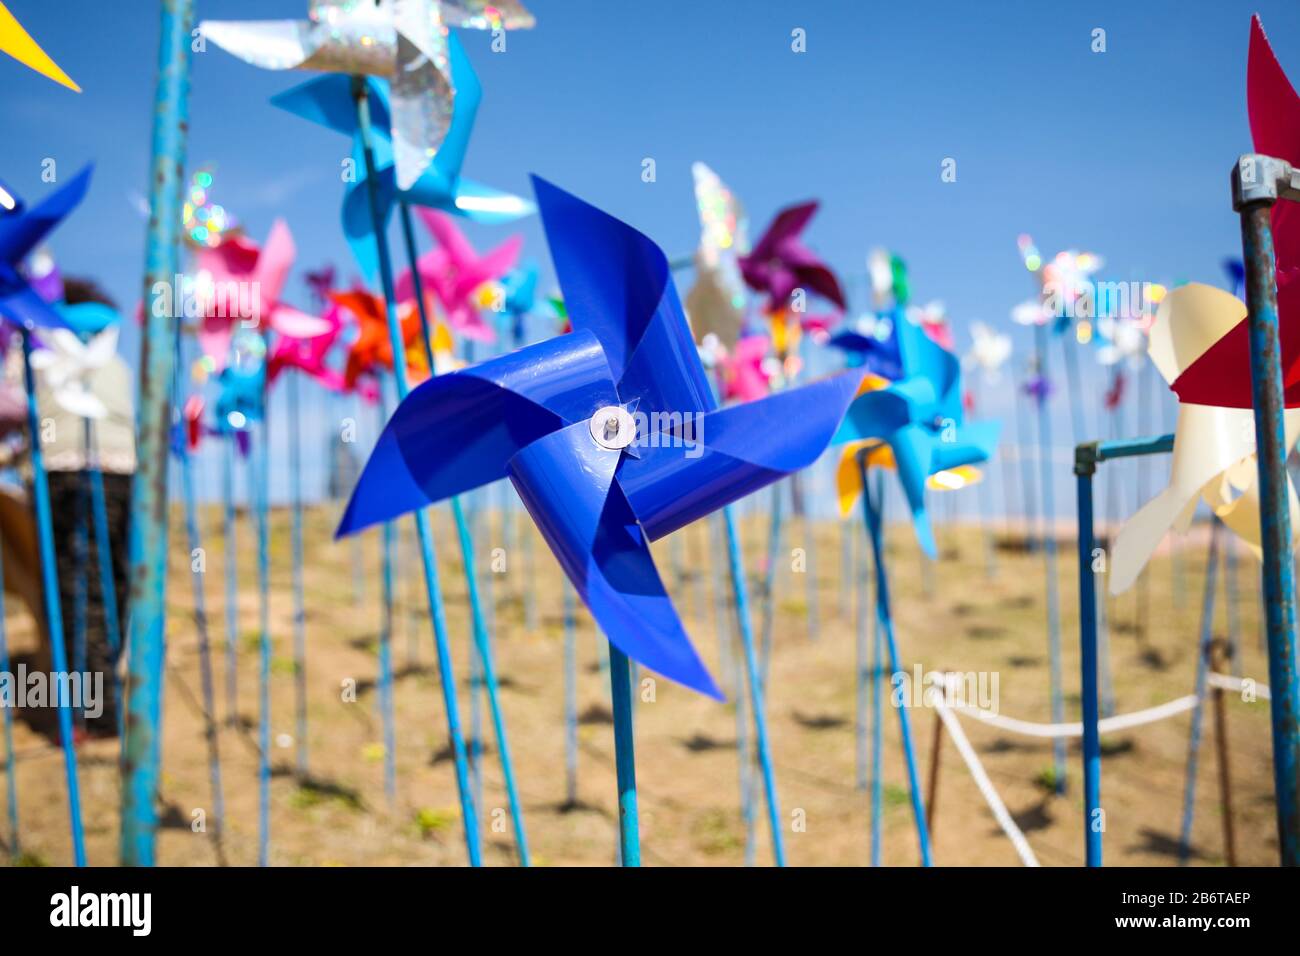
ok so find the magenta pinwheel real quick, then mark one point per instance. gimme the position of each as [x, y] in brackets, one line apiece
[308, 355]
[610, 434]
[780, 263]
[454, 271]
[241, 282]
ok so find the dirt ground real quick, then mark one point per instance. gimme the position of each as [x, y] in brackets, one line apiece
[952, 615]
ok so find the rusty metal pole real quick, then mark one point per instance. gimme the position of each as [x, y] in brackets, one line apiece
[141, 747]
[1257, 183]
[1218, 656]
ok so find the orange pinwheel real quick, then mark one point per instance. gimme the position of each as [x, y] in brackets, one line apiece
[373, 351]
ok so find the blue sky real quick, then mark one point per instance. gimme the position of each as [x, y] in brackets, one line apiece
[1125, 152]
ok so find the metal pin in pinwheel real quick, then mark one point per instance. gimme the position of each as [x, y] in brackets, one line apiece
[1214, 447]
[610, 434]
[780, 263]
[920, 419]
[19, 44]
[404, 41]
[456, 274]
[716, 303]
[329, 102]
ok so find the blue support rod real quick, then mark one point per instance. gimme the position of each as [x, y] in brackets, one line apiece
[141, 749]
[1275, 521]
[299, 607]
[620, 687]
[482, 638]
[885, 621]
[260, 482]
[231, 560]
[755, 686]
[388, 543]
[1093, 821]
[1203, 649]
[53, 612]
[11, 780]
[570, 698]
[446, 672]
[877, 707]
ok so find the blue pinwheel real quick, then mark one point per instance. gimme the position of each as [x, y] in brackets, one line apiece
[610, 434]
[329, 102]
[21, 231]
[920, 419]
[519, 295]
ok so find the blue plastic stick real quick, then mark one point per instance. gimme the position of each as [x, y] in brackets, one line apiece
[629, 838]
[861, 675]
[388, 541]
[1092, 812]
[11, 779]
[1049, 555]
[103, 552]
[769, 581]
[80, 586]
[260, 482]
[885, 621]
[1198, 712]
[482, 659]
[755, 687]
[731, 673]
[205, 651]
[570, 698]
[446, 672]
[299, 606]
[878, 716]
[53, 613]
[232, 579]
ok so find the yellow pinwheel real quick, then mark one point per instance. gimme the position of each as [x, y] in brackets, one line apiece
[19, 44]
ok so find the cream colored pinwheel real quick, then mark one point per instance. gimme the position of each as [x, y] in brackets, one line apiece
[716, 303]
[66, 366]
[402, 41]
[989, 351]
[1214, 448]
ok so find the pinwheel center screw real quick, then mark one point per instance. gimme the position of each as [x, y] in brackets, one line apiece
[613, 427]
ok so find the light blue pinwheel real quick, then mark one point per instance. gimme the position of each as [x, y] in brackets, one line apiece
[610, 434]
[920, 418]
[329, 102]
[519, 292]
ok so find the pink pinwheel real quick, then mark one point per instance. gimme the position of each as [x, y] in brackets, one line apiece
[745, 372]
[308, 355]
[454, 271]
[780, 263]
[240, 282]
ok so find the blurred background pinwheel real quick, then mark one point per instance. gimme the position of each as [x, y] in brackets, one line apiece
[780, 262]
[21, 232]
[716, 303]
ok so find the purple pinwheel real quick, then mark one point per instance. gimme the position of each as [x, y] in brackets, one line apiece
[610, 434]
[781, 263]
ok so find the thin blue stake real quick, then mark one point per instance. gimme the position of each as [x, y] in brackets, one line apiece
[1093, 821]
[481, 661]
[299, 605]
[570, 698]
[433, 592]
[620, 687]
[740, 590]
[769, 582]
[885, 621]
[11, 779]
[260, 482]
[387, 546]
[877, 716]
[1049, 553]
[142, 743]
[861, 682]
[232, 578]
[1202, 667]
[53, 613]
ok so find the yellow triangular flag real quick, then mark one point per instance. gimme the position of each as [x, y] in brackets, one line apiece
[15, 41]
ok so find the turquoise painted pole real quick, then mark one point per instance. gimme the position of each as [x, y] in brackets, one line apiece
[481, 635]
[755, 686]
[260, 482]
[446, 672]
[620, 686]
[231, 559]
[769, 582]
[885, 621]
[141, 748]
[53, 613]
[299, 607]
[877, 717]
[11, 779]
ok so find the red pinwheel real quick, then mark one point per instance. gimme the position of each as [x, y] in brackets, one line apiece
[1220, 376]
[781, 263]
[610, 434]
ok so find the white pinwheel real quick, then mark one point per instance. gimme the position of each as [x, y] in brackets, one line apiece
[66, 365]
[402, 41]
[716, 303]
[1123, 339]
[989, 351]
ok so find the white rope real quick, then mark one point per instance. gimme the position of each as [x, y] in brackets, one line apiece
[953, 726]
[1236, 685]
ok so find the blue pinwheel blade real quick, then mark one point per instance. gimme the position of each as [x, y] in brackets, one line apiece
[617, 284]
[88, 318]
[458, 431]
[972, 444]
[913, 447]
[327, 101]
[21, 232]
[732, 452]
[24, 308]
[568, 484]
[469, 92]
